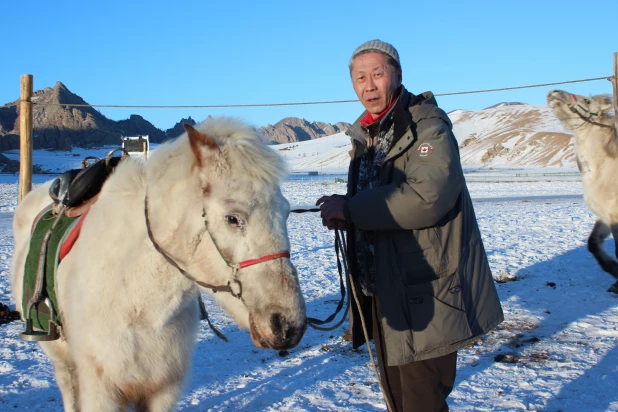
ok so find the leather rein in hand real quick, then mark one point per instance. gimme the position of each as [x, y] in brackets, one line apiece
[342, 265]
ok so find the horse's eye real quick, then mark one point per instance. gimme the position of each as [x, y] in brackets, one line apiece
[586, 101]
[232, 220]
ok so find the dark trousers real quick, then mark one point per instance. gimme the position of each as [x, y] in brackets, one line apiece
[418, 386]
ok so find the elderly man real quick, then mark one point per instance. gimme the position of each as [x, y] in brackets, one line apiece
[414, 246]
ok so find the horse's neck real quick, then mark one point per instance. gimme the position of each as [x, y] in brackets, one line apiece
[124, 258]
[596, 147]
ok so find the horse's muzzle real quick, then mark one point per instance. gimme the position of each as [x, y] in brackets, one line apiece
[282, 334]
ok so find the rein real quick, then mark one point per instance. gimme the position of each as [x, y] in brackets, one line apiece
[340, 248]
[340, 245]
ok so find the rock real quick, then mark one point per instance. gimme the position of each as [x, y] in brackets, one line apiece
[178, 128]
[293, 129]
[509, 358]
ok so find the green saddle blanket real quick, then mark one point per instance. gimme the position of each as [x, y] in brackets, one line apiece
[40, 313]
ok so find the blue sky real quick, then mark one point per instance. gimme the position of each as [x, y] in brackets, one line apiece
[219, 52]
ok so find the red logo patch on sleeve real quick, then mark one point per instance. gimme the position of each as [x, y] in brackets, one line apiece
[425, 149]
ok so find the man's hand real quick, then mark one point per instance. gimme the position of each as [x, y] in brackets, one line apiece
[331, 210]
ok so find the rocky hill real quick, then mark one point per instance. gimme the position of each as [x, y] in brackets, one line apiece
[58, 127]
[293, 129]
[178, 128]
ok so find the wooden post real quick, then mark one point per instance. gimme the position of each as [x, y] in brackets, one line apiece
[615, 83]
[145, 149]
[25, 136]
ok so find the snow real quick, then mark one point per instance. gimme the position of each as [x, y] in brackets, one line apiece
[561, 324]
[324, 155]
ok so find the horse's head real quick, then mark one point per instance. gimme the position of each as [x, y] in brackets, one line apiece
[244, 219]
[576, 111]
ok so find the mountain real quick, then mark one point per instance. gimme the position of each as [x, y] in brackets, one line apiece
[508, 134]
[505, 104]
[293, 129]
[178, 128]
[512, 135]
[58, 127]
[504, 136]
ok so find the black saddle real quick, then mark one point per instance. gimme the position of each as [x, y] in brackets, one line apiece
[76, 186]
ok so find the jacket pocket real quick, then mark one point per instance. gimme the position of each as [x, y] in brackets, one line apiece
[412, 249]
[438, 313]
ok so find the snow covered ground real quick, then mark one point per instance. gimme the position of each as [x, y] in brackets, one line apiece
[561, 324]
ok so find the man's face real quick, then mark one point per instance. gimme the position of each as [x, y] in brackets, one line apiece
[375, 81]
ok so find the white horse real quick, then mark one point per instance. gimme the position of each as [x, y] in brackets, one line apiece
[596, 148]
[204, 209]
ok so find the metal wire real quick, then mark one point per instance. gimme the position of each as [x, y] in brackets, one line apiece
[220, 106]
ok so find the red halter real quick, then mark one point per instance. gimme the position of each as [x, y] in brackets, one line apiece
[265, 258]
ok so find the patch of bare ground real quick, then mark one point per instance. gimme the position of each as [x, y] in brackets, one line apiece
[516, 325]
[504, 277]
[7, 315]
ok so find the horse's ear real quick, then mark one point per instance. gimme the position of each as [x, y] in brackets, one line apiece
[199, 140]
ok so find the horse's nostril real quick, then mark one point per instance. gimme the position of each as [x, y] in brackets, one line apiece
[276, 324]
[286, 335]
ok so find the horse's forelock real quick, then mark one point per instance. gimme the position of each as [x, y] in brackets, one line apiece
[245, 149]
[257, 160]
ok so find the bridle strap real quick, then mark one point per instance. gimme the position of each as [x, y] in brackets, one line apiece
[245, 263]
[215, 289]
[265, 258]
[585, 109]
[234, 266]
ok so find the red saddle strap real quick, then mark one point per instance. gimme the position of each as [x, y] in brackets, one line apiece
[71, 238]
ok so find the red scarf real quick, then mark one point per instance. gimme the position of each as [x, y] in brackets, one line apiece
[369, 119]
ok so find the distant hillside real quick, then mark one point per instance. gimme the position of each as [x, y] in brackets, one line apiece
[58, 127]
[293, 129]
[505, 104]
[513, 135]
[507, 135]
[178, 128]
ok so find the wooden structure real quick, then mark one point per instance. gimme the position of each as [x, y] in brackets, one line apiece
[615, 84]
[25, 136]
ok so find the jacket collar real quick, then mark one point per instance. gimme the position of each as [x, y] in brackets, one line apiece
[399, 114]
[409, 110]
[368, 119]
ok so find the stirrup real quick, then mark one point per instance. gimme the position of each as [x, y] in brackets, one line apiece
[34, 335]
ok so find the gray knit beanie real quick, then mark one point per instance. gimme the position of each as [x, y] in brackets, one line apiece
[378, 46]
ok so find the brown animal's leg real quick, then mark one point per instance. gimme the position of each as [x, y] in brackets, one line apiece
[595, 246]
